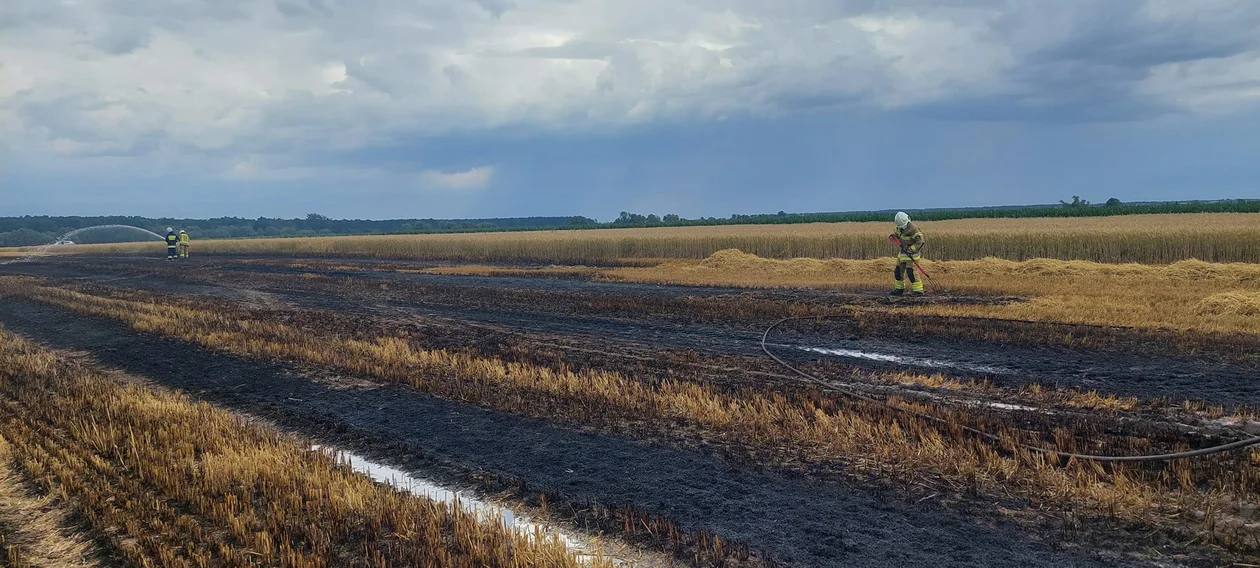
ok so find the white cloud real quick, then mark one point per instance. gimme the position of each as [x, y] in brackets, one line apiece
[474, 178]
[231, 79]
[1210, 87]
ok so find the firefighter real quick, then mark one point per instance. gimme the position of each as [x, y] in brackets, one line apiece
[911, 239]
[172, 241]
[183, 243]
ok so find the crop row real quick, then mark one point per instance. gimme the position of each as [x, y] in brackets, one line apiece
[165, 481]
[814, 426]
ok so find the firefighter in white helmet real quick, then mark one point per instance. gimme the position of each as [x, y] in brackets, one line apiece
[911, 240]
[172, 241]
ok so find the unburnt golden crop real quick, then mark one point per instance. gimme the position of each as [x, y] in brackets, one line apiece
[162, 480]
[1213, 237]
[808, 427]
[1188, 295]
[1185, 295]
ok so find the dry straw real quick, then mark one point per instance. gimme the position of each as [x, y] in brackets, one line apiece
[808, 427]
[162, 480]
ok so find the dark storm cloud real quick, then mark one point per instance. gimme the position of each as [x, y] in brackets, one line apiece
[1128, 34]
[60, 116]
[182, 10]
[122, 39]
[385, 84]
[1087, 60]
[497, 7]
[302, 8]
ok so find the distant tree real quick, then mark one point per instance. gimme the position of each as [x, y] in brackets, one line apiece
[1113, 202]
[1076, 202]
[671, 218]
[24, 238]
[653, 218]
[628, 218]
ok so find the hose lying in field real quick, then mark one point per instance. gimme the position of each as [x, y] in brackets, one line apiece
[1053, 453]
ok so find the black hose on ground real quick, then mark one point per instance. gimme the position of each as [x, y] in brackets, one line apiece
[1049, 452]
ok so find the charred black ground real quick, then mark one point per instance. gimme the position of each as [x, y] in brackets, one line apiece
[790, 519]
[649, 329]
[726, 321]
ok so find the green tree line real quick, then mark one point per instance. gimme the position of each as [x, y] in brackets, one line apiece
[1077, 207]
[38, 230]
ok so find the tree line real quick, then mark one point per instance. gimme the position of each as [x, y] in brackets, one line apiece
[38, 230]
[1077, 207]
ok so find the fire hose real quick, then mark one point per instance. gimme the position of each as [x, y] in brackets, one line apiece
[1053, 454]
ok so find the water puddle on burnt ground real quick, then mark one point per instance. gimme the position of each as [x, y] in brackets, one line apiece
[920, 362]
[586, 549]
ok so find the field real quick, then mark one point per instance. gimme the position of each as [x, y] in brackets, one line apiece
[1159, 239]
[615, 387]
[158, 479]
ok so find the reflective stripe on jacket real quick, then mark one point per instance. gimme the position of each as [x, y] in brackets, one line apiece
[911, 239]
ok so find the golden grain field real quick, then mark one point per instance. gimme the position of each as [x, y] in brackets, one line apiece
[1159, 239]
[1188, 295]
[1184, 295]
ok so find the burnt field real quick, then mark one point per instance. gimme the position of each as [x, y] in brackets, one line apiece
[657, 401]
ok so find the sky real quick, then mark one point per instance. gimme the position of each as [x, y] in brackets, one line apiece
[379, 109]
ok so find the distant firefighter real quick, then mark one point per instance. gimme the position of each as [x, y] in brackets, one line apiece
[184, 243]
[910, 239]
[172, 242]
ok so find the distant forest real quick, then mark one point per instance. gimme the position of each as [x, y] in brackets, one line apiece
[38, 230]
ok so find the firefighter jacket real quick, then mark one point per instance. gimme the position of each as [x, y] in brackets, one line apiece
[912, 239]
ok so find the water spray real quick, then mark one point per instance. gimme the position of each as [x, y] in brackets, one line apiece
[64, 240]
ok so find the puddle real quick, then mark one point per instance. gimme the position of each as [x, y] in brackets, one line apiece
[586, 549]
[1251, 427]
[1005, 406]
[934, 363]
[904, 360]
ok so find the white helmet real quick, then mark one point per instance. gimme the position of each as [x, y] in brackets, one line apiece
[902, 219]
[168, 229]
